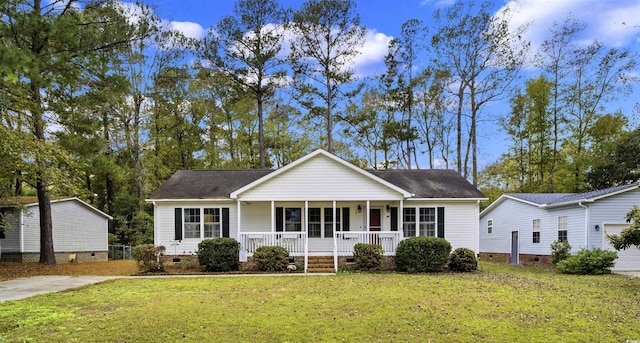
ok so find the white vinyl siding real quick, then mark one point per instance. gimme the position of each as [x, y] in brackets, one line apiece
[511, 215]
[75, 228]
[331, 181]
[11, 242]
[609, 210]
[164, 216]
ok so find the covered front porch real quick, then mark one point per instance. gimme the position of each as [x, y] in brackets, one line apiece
[319, 228]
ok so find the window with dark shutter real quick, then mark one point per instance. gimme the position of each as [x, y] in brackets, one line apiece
[441, 222]
[225, 222]
[345, 218]
[178, 224]
[394, 219]
[279, 218]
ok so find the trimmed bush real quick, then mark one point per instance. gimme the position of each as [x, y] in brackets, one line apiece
[585, 261]
[271, 258]
[463, 260]
[368, 256]
[219, 254]
[148, 257]
[560, 251]
[422, 254]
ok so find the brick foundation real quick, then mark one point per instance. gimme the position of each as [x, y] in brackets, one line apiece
[61, 257]
[535, 260]
[523, 259]
[494, 257]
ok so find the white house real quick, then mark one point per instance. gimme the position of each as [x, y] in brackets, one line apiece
[319, 205]
[79, 231]
[519, 228]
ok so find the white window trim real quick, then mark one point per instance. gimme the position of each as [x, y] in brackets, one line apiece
[417, 221]
[490, 220]
[201, 209]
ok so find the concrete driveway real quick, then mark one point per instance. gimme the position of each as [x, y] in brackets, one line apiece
[22, 288]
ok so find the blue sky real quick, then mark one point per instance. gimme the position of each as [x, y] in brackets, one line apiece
[614, 23]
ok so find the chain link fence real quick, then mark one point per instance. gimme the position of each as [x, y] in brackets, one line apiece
[120, 252]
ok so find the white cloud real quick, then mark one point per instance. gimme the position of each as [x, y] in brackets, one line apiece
[615, 23]
[372, 53]
[437, 3]
[188, 29]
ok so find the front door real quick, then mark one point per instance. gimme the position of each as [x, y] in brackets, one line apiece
[374, 220]
[514, 248]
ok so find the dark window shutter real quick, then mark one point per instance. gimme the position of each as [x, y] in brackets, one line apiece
[441, 222]
[178, 227]
[345, 218]
[394, 219]
[279, 218]
[225, 222]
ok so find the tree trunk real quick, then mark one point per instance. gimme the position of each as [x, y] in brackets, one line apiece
[47, 254]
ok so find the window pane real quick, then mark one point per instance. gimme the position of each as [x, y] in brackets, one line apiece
[315, 224]
[293, 219]
[490, 226]
[409, 229]
[211, 222]
[328, 221]
[562, 235]
[536, 237]
[428, 229]
[191, 223]
[409, 222]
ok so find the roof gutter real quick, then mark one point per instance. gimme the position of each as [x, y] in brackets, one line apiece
[586, 224]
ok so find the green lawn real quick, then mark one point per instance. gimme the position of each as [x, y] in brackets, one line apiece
[498, 304]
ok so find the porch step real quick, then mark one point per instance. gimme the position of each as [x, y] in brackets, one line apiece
[320, 264]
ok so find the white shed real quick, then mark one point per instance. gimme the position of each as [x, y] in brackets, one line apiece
[80, 231]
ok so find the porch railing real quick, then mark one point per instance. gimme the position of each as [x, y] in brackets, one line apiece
[294, 242]
[345, 241]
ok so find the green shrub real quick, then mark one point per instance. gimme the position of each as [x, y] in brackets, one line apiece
[463, 260]
[422, 254]
[368, 256]
[149, 257]
[587, 261]
[560, 251]
[271, 258]
[219, 254]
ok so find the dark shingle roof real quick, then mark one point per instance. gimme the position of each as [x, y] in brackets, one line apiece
[539, 198]
[206, 184]
[561, 198]
[218, 184]
[430, 183]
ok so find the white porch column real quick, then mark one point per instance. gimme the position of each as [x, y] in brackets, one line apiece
[401, 216]
[238, 221]
[368, 217]
[273, 216]
[306, 240]
[335, 240]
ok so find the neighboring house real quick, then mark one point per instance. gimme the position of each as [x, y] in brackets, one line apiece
[319, 205]
[519, 228]
[79, 231]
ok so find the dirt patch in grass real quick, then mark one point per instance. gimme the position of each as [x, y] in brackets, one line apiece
[14, 270]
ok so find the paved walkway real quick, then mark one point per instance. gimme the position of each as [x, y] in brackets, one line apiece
[22, 288]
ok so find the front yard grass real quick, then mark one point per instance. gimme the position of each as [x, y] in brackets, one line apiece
[498, 304]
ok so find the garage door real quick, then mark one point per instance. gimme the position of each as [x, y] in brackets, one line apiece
[627, 259]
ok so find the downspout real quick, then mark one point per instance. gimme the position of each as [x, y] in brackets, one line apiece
[586, 224]
[477, 224]
[155, 224]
